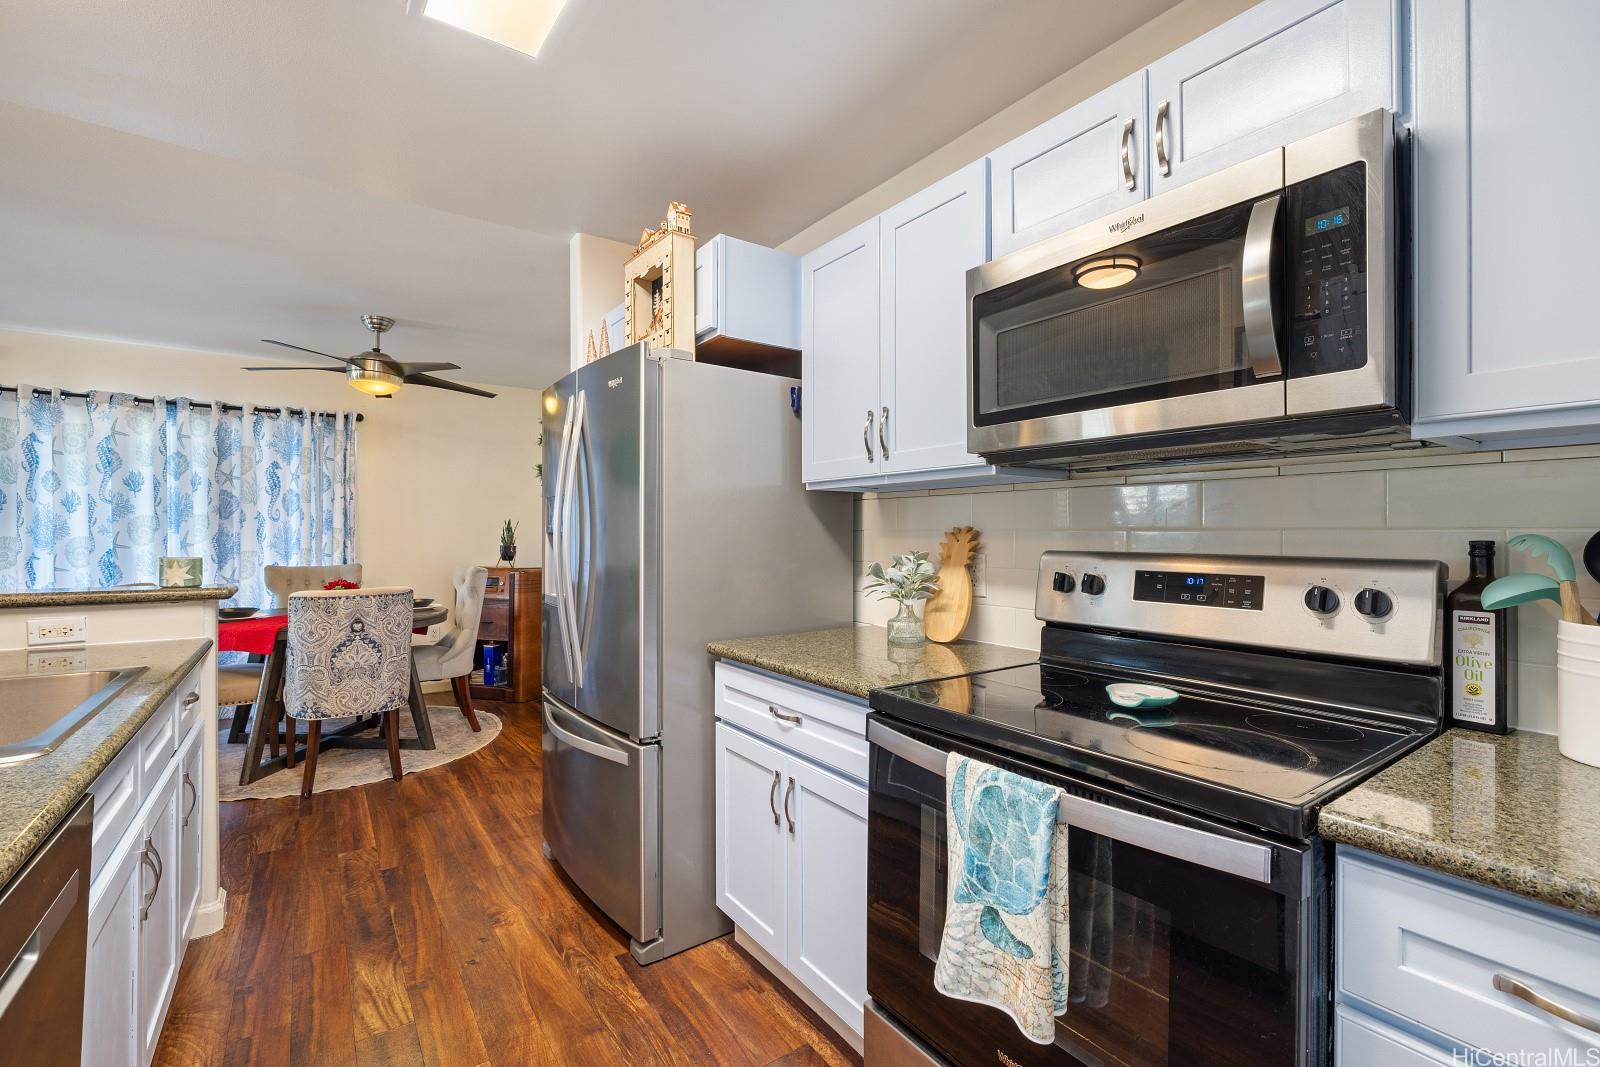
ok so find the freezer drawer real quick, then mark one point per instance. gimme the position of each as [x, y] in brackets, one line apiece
[602, 816]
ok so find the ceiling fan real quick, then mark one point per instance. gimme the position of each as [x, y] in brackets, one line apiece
[376, 374]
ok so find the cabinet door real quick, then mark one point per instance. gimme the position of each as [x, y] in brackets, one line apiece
[1503, 335]
[110, 1004]
[706, 290]
[1071, 170]
[1280, 71]
[929, 243]
[827, 887]
[839, 357]
[750, 836]
[616, 329]
[159, 930]
[191, 817]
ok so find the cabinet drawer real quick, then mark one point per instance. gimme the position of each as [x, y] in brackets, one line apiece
[156, 744]
[188, 705]
[496, 627]
[116, 802]
[1429, 949]
[831, 731]
[1362, 1042]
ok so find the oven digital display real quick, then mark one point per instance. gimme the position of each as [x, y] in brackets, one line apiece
[1241, 591]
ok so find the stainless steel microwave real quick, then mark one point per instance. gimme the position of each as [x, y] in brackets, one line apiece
[1249, 312]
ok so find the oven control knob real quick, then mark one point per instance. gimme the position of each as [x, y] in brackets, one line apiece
[1062, 582]
[1374, 603]
[1322, 600]
[1093, 584]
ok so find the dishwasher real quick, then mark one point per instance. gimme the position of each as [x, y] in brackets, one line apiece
[44, 929]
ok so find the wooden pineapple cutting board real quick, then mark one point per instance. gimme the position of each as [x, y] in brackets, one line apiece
[950, 607]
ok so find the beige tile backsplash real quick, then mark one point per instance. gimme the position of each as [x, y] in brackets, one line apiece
[1383, 506]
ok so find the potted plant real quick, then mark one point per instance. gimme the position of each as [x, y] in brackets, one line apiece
[508, 542]
[910, 577]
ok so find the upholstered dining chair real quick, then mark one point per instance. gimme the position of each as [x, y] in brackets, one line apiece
[450, 656]
[349, 656]
[281, 581]
[237, 687]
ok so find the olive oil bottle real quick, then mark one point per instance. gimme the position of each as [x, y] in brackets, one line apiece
[1481, 662]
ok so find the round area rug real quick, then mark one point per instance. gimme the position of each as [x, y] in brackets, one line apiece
[342, 768]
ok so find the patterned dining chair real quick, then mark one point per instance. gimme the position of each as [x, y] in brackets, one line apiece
[281, 581]
[349, 656]
[451, 655]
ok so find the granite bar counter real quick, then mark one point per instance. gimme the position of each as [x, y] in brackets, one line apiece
[66, 598]
[1509, 812]
[36, 794]
[858, 659]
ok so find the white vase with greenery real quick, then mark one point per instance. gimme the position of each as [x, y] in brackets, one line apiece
[908, 579]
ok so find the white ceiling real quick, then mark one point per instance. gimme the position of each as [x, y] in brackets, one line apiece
[202, 175]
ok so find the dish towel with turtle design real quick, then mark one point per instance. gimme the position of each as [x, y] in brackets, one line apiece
[1006, 941]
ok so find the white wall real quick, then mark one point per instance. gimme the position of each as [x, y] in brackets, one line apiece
[1179, 25]
[1386, 508]
[594, 276]
[439, 471]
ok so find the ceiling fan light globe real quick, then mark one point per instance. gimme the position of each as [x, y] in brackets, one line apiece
[374, 382]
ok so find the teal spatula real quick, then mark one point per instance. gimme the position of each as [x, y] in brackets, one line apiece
[1516, 589]
[1538, 545]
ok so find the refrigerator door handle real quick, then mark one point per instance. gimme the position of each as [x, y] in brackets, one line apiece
[559, 539]
[583, 744]
[574, 487]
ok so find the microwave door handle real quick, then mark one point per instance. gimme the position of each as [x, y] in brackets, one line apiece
[1245, 859]
[1255, 284]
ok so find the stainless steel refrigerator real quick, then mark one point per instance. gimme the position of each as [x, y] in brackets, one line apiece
[674, 515]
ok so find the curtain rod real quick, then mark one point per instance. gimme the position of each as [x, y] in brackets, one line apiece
[217, 405]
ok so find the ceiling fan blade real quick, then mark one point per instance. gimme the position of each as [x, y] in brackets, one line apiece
[298, 348]
[419, 368]
[440, 383]
[335, 370]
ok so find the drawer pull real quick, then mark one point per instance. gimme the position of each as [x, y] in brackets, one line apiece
[1507, 984]
[191, 700]
[784, 716]
[772, 797]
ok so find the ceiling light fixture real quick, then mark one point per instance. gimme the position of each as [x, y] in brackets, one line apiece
[373, 378]
[519, 24]
[1108, 272]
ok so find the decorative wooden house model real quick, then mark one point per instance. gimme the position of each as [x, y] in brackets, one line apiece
[658, 285]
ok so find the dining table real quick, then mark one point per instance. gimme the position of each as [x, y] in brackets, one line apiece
[266, 634]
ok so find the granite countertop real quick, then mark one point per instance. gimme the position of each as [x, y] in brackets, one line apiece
[1509, 812]
[62, 598]
[36, 794]
[858, 659]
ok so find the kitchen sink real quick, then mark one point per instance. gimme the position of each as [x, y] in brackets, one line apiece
[39, 711]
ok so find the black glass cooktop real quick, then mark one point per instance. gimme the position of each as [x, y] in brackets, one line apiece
[1251, 760]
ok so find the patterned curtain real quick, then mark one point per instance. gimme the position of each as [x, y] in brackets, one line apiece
[94, 491]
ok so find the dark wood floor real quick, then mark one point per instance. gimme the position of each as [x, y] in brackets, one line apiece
[419, 923]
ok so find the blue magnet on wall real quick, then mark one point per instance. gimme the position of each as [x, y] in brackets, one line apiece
[794, 399]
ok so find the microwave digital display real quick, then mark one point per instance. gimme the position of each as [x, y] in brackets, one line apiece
[1328, 220]
[1200, 590]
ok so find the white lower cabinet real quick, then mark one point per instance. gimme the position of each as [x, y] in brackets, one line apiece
[792, 865]
[143, 899]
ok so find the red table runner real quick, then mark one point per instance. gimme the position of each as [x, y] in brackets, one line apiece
[253, 635]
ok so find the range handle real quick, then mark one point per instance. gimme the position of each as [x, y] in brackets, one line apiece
[1244, 859]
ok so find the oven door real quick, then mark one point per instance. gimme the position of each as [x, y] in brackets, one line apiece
[1159, 321]
[1192, 942]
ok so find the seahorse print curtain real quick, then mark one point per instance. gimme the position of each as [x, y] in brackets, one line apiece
[93, 491]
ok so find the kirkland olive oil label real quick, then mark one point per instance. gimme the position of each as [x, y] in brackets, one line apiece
[1472, 669]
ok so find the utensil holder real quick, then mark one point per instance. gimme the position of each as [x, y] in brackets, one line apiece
[1578, 692]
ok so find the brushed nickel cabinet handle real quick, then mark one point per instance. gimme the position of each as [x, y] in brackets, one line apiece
[883, 434]
[866, 434]
[1162, 119]
[785, 716]
[788, 795]
[772, 798]
[151, 858]
[1507, 984]
[191, 700]
[194, 798]
[1127, 154]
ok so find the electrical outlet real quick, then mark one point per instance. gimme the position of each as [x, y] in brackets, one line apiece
[980, 574]
[57, 630]
[56, 662]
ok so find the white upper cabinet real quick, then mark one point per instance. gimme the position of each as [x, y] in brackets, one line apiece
[839, 357]
[929, 243]
[1505, 351]
[1278, 72]
[616, 329]
[746, 293]
[1086, 162]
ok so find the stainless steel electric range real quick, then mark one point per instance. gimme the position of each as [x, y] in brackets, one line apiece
[1199, 904]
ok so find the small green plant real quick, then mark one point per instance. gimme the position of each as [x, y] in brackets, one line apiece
[508, 533]
[908, 578]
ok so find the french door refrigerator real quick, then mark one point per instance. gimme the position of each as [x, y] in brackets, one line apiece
[674, 515]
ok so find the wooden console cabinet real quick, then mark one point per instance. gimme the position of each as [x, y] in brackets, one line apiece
[511, 619]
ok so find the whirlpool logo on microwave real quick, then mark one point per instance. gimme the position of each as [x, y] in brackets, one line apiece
[1126, 224]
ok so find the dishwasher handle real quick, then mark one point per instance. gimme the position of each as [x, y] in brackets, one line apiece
[38, 943]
